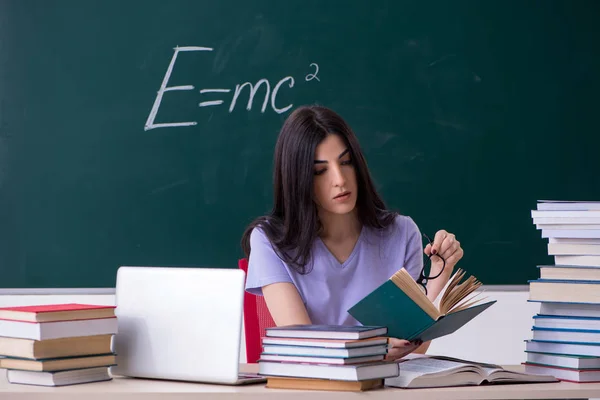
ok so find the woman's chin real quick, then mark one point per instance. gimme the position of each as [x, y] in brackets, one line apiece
[341, 209]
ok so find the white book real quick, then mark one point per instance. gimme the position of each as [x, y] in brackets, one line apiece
[566, 323]
[58, 378]
[550, 227]
[328, 343]
[565, 214]
[570, 309]
[565, 361]
[358, 372]
[577, 349]
[568, 336]
[572, 249]
[586, 261]
[571, 233]
[571, 375]
[595, 241]
[570, 220]
[324, 352]
[562, 205]
[321, 360]
[57, 330]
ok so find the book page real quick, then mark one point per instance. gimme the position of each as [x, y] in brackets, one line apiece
[462, 361]
[407, 284]
[421, 370]
[428, 366]
[456, 295]
[438, 299]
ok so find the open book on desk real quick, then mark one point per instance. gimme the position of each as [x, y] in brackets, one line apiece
[401, 305]
[423, 371]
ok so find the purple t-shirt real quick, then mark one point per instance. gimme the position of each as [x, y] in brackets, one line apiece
[331, 287]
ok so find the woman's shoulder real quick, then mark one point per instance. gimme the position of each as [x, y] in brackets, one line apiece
[402, 225]
[258, 236]
[405, 222]
[263, 235]
[400, 229]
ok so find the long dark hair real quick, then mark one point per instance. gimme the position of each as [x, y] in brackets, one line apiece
[293, 223]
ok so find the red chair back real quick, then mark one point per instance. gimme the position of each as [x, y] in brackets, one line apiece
[256, 319]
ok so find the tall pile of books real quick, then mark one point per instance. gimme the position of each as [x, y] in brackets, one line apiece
[566, 331]
[56, 345]
[324, 357]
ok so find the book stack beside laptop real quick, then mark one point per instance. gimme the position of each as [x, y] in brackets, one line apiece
[58, 344]
[326, 357]
[566, 331]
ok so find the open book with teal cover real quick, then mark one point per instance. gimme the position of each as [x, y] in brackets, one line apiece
[403, 307]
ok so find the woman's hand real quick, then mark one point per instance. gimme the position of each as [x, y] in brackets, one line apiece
[446, 246]
[398, 348]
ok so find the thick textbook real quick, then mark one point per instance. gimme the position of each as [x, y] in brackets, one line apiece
[422, 371]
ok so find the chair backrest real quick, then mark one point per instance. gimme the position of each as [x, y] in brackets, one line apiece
[256, 319]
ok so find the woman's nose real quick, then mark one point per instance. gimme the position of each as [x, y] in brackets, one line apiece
[338, 177]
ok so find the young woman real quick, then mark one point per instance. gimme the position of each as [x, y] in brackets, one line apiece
[329, 239]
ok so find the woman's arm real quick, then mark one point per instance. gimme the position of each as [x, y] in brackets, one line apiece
[285, 304]
[268, 276]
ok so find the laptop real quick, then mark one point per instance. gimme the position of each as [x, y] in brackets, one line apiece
[180, 324]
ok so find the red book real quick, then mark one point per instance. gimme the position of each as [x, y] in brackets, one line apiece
[56, 312]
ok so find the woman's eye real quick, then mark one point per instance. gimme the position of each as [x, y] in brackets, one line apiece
[320, 171]
[347, 162]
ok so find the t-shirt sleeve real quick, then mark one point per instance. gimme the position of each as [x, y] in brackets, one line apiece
[264, 265]
[413, 260]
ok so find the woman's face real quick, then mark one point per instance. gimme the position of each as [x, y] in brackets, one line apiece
[334, 176]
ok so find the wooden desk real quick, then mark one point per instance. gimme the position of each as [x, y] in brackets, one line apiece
[137, 389]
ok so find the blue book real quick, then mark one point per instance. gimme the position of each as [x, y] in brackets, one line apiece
[566, 322]
[563, 360]
[566, 348]
[535, 328]
[567, 309]
[566, 335]
[408, 314]
[566, 317]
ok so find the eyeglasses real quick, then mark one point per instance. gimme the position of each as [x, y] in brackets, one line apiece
[423, 278]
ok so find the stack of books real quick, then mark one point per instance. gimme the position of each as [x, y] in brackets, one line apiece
[326, 357]
[57, 345]
[566, 331]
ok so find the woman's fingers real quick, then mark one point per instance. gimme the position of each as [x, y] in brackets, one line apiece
[446, 246]
[438, 240]
[400, 348]
[394, 342]
[427, 249]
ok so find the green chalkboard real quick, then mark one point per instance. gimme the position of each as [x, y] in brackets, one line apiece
[467, 111]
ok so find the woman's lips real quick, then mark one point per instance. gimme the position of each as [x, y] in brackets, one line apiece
[342, 197]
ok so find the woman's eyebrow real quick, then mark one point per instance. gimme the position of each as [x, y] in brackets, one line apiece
[342, 154]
